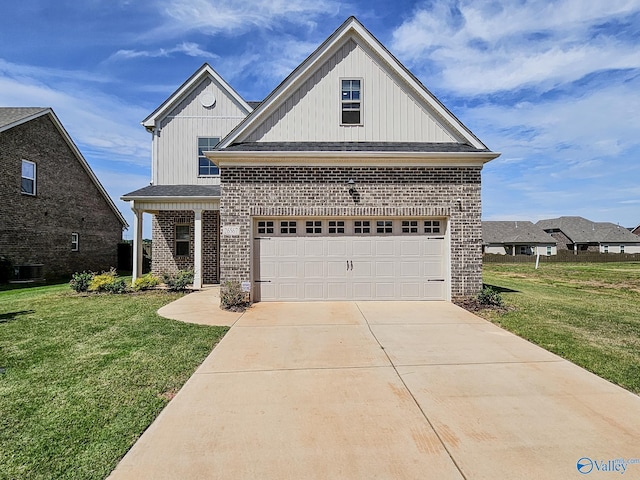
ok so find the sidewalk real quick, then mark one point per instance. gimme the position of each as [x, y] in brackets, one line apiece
[201, 307]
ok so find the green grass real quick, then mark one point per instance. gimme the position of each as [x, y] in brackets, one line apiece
[586, 313]
[83, 377]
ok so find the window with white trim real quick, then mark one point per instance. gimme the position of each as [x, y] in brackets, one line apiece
[288, 227]
[351, 102]
[362, 226]
[336, 226]
[183, 240]
[313, 226]
[432, 226]
[621, 248]
[206, 167]
[606, 249]
[409, 226]
[384, 226]
[75, 242]
[265, 227]
[28, 180]
[548, 251]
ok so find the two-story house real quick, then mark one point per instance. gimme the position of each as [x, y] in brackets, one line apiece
[55, 216]
[349, 181]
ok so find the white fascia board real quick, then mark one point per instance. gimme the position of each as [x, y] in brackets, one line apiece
[289, 158]
[150, 122]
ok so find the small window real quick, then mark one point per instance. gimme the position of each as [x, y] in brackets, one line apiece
[314, 226]
[351, 102]
[265, 227]
[409, 226]
[183, 239]
[384, 226]
[606, 249]
[432, 226]
[28, 182]
[75, 242]
[336, 226]
[288, 227]
[548, 251]
[362, 226]
[205, 166]
[621, 248]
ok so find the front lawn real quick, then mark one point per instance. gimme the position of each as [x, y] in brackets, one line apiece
[588, 313]
[81, 377]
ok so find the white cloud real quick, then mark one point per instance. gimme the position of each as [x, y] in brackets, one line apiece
[188, 48]
[486, 46]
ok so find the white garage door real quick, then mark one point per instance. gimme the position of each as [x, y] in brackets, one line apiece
[360, 259]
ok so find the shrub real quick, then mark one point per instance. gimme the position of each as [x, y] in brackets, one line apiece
[80, 281]
[146, 282]
[490, 296]
[232, 297]
[180, 281]
[108, 282]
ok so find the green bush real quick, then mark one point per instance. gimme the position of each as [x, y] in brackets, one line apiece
[108, 282]
[490, 296]
[80, 281]
[180, 281]
[146, 282]
[232, 297]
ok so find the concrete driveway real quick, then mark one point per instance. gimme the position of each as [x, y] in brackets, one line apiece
[387, 390]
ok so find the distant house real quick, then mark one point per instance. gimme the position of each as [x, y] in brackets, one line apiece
[55, 216]
[636, 230]
[349, 181]
[578, 234]
[516, 238]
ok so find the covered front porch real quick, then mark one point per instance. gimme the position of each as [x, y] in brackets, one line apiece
[185, 229]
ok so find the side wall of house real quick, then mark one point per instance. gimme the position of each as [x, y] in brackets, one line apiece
[37, 229]
[452, 192]
[163, 255]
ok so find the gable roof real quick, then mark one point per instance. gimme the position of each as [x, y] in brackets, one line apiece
[514, 232]
[581, 230]
[187, 87]
[351, 29]
[157, 192]
[11, 117]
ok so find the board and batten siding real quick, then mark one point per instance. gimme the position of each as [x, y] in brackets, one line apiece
[175, 144]
[391, 112]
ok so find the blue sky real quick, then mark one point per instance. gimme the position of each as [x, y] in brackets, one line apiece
[553, 85]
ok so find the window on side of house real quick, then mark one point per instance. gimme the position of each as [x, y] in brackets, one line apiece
[206, 167]
[606, 249]
[548, 251]
[621, 248]
[183, 240]
[351, 102]
[28, 181]
[75, 242]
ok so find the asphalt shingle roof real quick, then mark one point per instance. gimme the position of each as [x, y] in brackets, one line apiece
[353, 147]
[176, 191]
[9, 115]
[581, 230]
[514, 232]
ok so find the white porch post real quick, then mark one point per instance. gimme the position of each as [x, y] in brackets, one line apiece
[137, 243]
[197, 250]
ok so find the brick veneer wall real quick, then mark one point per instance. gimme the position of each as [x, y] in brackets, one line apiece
[37, 229]
[163, 259]
[453, 192]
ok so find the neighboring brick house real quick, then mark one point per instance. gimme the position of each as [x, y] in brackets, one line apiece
[516, 238]
[56, 218]
[349, 181]
[581, 235]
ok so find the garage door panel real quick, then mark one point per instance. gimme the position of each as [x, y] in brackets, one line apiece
[411, 290]
[362, 269]
[410, 248]
[433, 268]
[338, 291]
[314, 269]
[385, 269]
[363, 290]
[287, 247]
[336, 248]
[410, 269]
[433, 247]
[362, 248]
[336, 269]
[314, 290]
[313, 247]
[385, 247]
[287, 290]
[287, 270]
[385, 290]
[434, 290]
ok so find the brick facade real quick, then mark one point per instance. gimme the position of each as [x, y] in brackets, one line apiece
[452, 192]
[37, 229]
[163, 246]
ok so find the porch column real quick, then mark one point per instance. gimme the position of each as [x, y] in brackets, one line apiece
[197, 249]
[137, 242]
[514, 251]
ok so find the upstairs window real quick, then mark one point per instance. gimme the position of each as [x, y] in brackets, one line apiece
[28, 182]
[75, 242]
[351, 102]
[206, 167]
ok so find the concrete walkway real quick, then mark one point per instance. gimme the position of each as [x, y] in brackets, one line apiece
[201, 307]
[387, 390]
